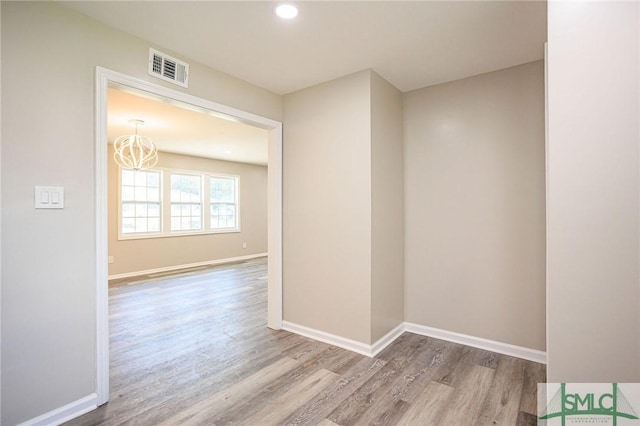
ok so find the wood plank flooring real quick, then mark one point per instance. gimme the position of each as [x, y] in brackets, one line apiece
[193, 349]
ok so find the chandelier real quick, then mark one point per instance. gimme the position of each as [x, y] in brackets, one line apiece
[134, 151]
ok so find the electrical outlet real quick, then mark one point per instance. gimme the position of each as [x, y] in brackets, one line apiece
[244, 245]
[110, 259]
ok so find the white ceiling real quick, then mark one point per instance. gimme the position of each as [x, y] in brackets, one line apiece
[184, 129]
[411, 44]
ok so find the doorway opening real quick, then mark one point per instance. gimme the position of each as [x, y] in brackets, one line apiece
[106, 79]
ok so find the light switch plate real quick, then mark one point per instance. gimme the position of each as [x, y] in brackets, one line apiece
[49, 197]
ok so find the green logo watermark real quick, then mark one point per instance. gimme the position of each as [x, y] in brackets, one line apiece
[586, 403]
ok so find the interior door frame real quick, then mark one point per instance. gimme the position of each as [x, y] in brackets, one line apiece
[106, 78]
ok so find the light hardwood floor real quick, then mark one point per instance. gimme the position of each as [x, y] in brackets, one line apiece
[193, 349]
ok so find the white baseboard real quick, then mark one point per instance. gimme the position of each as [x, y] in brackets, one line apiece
[65, 413]
[387, 339]
[478, 342]
[423, 330]
[344, 343]
[187, 266]
[332, 339]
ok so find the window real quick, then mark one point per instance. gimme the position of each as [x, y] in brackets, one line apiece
[186, 202]
[169, 202]
[140, 202]
[223, 202]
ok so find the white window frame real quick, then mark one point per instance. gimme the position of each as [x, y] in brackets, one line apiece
[236, 179]
[138, 235]
[165, 205]
[170, 202]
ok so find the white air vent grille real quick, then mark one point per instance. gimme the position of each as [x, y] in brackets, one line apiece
[168, 68]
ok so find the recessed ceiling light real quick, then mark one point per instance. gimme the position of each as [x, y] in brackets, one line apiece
[287, 11]
[228, 151]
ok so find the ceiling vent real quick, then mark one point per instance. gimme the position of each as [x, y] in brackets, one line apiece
[167, 68]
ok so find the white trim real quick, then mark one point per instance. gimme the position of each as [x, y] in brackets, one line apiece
[387, 339]
[102, 251]
[65, 413]
[150, 236]
[332, 339]
[546, 193]
[106, 78]
[344, 343]
[478, 342]
[187, 266]
[423, 330]
[274, 229]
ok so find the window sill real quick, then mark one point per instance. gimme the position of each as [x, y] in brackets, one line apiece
[177, 234]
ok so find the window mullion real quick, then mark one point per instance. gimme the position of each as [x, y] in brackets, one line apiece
[166, 203]
[206, 203]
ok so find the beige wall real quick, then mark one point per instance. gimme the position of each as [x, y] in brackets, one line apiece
[48, 267]
[343, 209]
[387, 212]
[326, 213]
[164, 252]
[593, 192]
[475, 206]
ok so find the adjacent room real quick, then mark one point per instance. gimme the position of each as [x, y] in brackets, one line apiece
[199, 200]
[203, 202]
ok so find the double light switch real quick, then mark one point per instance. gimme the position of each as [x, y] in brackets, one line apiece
[49, 197]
